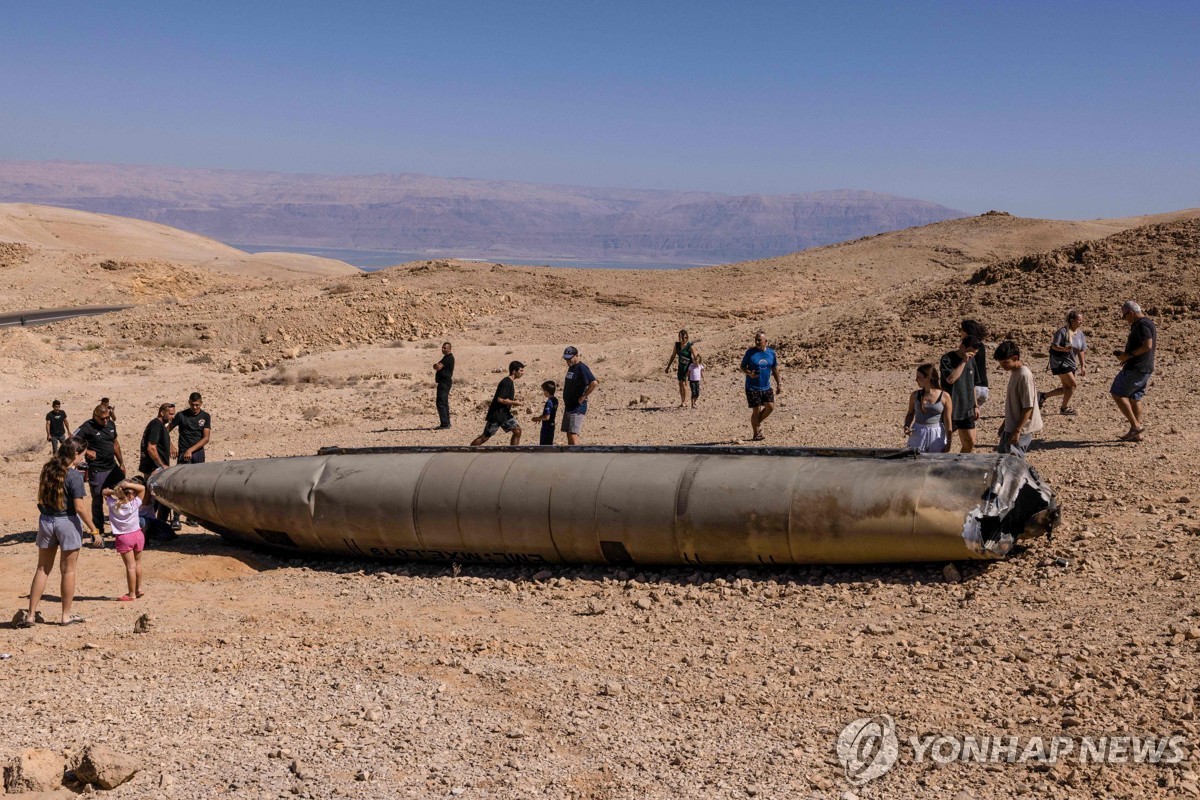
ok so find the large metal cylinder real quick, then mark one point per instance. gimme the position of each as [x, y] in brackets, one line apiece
[620, 505]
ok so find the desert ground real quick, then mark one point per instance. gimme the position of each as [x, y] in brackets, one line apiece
[261, 676]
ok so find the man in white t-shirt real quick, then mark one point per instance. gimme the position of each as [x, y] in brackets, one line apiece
[1022, 418]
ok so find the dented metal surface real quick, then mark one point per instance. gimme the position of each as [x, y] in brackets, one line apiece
[621, 505]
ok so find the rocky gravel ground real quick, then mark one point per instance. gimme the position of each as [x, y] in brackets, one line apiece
[256, 676]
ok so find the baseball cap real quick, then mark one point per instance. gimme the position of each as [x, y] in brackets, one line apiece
[570, 352]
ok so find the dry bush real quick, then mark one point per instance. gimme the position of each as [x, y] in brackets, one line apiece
[340, 288]
[203, 358]
[33, 445]
[310, 412]
[430, 345]
[281, 377]
[308, 376]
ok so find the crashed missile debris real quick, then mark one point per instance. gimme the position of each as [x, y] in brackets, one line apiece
[621, 505]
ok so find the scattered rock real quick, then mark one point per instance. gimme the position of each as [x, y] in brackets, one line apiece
[105, 768]
[143, 624]
[951, 574]
[34, 770]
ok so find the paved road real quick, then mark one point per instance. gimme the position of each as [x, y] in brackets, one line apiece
[43, 316]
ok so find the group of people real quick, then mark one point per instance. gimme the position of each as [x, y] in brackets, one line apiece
[948, 396]
[759, 365]
[578, 385]
[92, 456]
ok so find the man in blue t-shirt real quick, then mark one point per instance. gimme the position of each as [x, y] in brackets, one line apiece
[579, 384]
[759, 364]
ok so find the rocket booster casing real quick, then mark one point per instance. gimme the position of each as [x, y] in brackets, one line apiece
[643, 505]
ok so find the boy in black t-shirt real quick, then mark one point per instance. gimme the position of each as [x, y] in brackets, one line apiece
[549, 413]
[56, 426]
[499, 413]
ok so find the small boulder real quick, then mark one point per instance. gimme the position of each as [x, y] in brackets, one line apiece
[104, 767]
[34, 770]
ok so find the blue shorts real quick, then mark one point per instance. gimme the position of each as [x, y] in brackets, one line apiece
[1130, 384]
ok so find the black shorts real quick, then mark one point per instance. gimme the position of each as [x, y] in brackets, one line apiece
[759, 397]
[967, 424]
[1062, 371]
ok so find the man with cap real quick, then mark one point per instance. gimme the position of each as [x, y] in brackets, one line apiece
[499, 413]
[1137, 364]
[578, 386]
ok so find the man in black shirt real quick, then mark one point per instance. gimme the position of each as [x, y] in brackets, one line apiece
[499, 413]
[56, 426]
[106, 464]
[195, 430]
[443, 375]
[156, 449]
[1137, 364]
[156, 442]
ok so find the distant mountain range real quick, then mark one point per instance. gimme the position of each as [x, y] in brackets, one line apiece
[462, 217]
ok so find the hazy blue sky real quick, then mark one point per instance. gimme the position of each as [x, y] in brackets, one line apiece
[1072, 110]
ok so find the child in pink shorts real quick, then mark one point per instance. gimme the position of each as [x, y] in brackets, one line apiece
[123, 501]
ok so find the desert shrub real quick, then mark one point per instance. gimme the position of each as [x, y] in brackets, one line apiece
[310, 412]
[280, 377]
[308, 376]
[203, 358]
[340, 288]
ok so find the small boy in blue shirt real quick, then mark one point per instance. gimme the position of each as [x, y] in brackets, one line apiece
[549, 413]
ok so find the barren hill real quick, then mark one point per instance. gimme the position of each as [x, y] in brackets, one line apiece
[463, 217]
[600, 682]
[52, 257]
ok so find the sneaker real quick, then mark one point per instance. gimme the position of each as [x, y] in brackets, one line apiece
[175, 526]
[21, 619]
[1067, 412]
[38, 618]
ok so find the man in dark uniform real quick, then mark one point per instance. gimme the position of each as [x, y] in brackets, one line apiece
[444, 376]
[106, 464]
[156, 449]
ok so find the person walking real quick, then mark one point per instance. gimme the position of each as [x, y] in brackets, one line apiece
[1137, 365]
[578, 386]
[106, 463]
[63, 519]
[56, 426]
[685, 352]
[759, 365]
[443, 376]
[694, 374]
[1022, 417]
[928, 423]
[958, 374]
[499, 413]
[1066, 359]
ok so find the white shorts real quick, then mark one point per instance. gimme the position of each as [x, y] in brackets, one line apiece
[929, 438]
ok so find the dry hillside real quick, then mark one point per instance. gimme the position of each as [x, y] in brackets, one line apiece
[263, 676]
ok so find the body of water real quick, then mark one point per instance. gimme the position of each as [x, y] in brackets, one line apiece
[371, 260]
